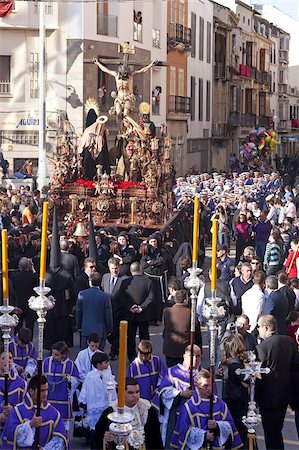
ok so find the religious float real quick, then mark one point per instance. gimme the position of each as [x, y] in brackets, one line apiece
[131, 183]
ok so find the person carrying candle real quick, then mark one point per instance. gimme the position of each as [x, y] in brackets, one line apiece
[16, 388]
[147, 369]
[146, 428]
[63, 378]
[22, 422]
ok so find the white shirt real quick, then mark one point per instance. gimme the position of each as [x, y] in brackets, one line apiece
[83, 363]
[252, 303]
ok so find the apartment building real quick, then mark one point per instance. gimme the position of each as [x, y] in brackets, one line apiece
[200, 85]
[75, 34]
[178, 100]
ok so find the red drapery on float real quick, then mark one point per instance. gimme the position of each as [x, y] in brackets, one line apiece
[5, 7]
[120, 184]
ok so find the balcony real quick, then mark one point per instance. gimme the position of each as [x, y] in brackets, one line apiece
[247, 120]
[234, 118]
[222, 72]
[283, 56]
[282, 88]
[107, 25]
[284, 125]
[264, 121]
[5, 88]
[178, 104]
[266, 77]
[253, 73]
[259, 76]
[244, 71]
[221, 131]
[178, 34]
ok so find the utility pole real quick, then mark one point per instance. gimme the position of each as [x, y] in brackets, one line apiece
[42, 159]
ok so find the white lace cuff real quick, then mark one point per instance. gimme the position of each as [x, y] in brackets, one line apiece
[25, 435]
[195, 438]
[31, 366]
[169, 395]
[56, 443]
[225, 431]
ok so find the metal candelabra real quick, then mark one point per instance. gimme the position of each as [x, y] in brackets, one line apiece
[7, 322]
[253, 370]
[213, 313]
[120, 427]
[193, 284]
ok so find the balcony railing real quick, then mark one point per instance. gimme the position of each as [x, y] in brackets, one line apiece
[221, 130]
[5, 87]
[221, 71]
[266, 77]
[282, 88]
[253, 73]
[244, 71]
[259, 76]
[234, 118]
[284, 125]
[180, 34]
[178, 104]
[107, 25]
[264, 121]
[248, 120]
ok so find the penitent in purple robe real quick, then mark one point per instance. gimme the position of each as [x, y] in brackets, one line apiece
[59, 374]
[16, 391]
[192, 425]
[52, 426]
[21, 353]
[148, 374]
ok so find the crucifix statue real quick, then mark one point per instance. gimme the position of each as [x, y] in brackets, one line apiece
[124, 99]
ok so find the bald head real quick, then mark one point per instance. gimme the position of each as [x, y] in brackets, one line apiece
[135, 268]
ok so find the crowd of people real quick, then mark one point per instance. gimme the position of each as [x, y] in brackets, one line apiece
[129, 275]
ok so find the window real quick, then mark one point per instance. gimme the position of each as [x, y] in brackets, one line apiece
[181, 80]
[156, 38]
[262, 59]
[137, 26]
[19, 137]
[200, 99]
[33, 75]
[172, 81]
[182, 12]
[193, 34]
[5, 74]
[48, 8]
[243, 19]
[209, 29]
[192, 96]
[208, 101]
[249, 46]
[262, 104]
[201, 37]
[173, 11]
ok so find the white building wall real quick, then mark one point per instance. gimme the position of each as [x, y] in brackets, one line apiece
[201, 69]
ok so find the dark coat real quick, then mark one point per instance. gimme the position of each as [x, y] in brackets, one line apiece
[70, 263]
[59, 325]
[277, 304]
[23, 283]
[137, 290]
[81, 283]
[280, 355]
[116, 294]
[93, 312]
[177, 323]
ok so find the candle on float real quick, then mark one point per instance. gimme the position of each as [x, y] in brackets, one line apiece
[195, 229]
[43, 253]
[4, 267]
[214, 256]
[73, 205]
[123, 329]
[132, 212]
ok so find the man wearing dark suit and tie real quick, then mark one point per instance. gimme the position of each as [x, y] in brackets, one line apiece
[111, 283]
[276, 304]
[273, 391]
[93, 312]
[82, 281]
[137, 298]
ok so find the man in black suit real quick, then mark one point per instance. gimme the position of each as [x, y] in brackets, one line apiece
[273, 391]
[82, 282]
[138, 295]
[69, 262]
[93, 312]
[111, 283]
[276, 304]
